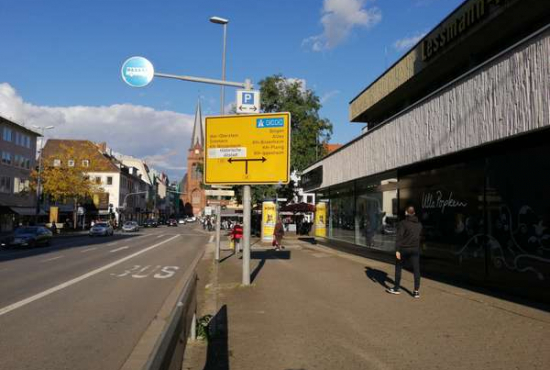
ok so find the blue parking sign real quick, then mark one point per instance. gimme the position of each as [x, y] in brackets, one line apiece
[248, 98]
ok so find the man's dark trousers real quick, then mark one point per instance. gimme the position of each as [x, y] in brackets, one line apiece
[412, 254]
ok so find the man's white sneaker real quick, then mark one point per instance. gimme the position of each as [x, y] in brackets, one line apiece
[393, 291]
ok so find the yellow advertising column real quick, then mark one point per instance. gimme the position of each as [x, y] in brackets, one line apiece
[321, 219]
[269, 218]
[54, 214]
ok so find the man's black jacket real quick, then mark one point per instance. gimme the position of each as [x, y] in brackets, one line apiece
[408, 233]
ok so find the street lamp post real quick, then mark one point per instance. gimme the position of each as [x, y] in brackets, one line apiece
[223, 22]
[39, 180]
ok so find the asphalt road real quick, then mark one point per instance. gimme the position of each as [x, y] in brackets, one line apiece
[83, 303]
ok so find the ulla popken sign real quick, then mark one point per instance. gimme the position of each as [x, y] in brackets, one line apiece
[437, 200]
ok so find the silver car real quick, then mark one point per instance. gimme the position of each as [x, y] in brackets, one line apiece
[101, 228]
[130, 226]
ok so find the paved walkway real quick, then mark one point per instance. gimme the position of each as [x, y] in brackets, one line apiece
[311, 307]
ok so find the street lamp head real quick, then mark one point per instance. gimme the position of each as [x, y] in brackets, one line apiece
[219, 20]
[49, 127]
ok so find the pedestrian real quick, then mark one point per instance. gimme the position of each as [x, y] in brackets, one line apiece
[54, 228]
[407, 247]
[237, 235]
[278, 234]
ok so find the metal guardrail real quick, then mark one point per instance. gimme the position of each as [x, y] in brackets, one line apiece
[170, 347]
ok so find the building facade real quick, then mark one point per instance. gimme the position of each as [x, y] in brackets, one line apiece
[459, 127]
[18, 159]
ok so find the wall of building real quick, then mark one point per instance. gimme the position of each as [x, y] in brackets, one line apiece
[507, 97]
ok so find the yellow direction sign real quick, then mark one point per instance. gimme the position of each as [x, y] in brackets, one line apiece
[247, 149]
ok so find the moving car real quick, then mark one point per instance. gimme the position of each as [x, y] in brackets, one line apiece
[30, 236]
[181, 221]
[101, 228]
[191, 219]
[172, 222]
[130, 226]
[150, 223]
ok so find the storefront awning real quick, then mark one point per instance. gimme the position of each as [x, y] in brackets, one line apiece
[27, 211]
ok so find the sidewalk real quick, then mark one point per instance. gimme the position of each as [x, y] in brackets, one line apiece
[310, 307]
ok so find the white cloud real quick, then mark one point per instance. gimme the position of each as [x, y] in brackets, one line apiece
[160, 137]
[408, 42]
[329, 95]
[338, 19]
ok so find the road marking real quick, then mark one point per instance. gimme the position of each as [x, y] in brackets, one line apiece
[160, 236]
[211, 239]
[51, 259]
[89, 249]
[111, 244]
[66, 284]
[119, 249]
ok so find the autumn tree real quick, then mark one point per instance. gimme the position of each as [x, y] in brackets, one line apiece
[64, 176]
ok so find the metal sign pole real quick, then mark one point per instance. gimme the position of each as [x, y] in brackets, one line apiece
[246, 235]
[218, 228]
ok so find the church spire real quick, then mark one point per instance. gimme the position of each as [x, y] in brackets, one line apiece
[197, 138]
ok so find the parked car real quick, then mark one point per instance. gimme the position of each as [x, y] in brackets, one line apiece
[150, 223]
[181, 221]
[191, 219]
[130, 226]
[101, 228]
[30, 236]
[172, 222]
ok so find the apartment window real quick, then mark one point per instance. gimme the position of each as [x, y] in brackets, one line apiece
[6, 158]
[5, 184]
[6, 134]
[28, 141]
[57, 162]
[20, 185]
[27, 163]
[98, 180]
[17, 160]
[109, 180]
[17, 138]
[70, 163]
[86, 163]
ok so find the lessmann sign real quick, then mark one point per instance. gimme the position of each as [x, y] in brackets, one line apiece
[458, 25]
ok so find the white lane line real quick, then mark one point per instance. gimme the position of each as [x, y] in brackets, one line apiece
[51, 259]
[211, 239]
[88, 249]
[111, 244]
[66, 284]
[119, 249]
[160, 236]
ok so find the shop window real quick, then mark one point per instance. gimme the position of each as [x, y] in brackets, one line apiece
[341, 214]
[449, 204]
[376, 213]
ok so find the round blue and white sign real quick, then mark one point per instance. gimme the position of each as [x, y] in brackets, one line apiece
[137, 71]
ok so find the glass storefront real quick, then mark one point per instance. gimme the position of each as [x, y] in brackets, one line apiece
[485, 218]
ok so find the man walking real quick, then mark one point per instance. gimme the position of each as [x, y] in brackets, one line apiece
[407, 247]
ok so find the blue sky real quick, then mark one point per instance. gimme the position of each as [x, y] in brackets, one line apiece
[61, 61]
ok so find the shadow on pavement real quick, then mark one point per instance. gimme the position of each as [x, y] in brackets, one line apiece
[381, 277]
[308, 239]
[57, 244]
[217, 353]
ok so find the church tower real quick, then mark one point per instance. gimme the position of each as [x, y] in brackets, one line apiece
[194, 198]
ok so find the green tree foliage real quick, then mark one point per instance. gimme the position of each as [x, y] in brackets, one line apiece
[309, 131]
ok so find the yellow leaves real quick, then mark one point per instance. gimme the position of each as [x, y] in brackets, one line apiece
[64, 177]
